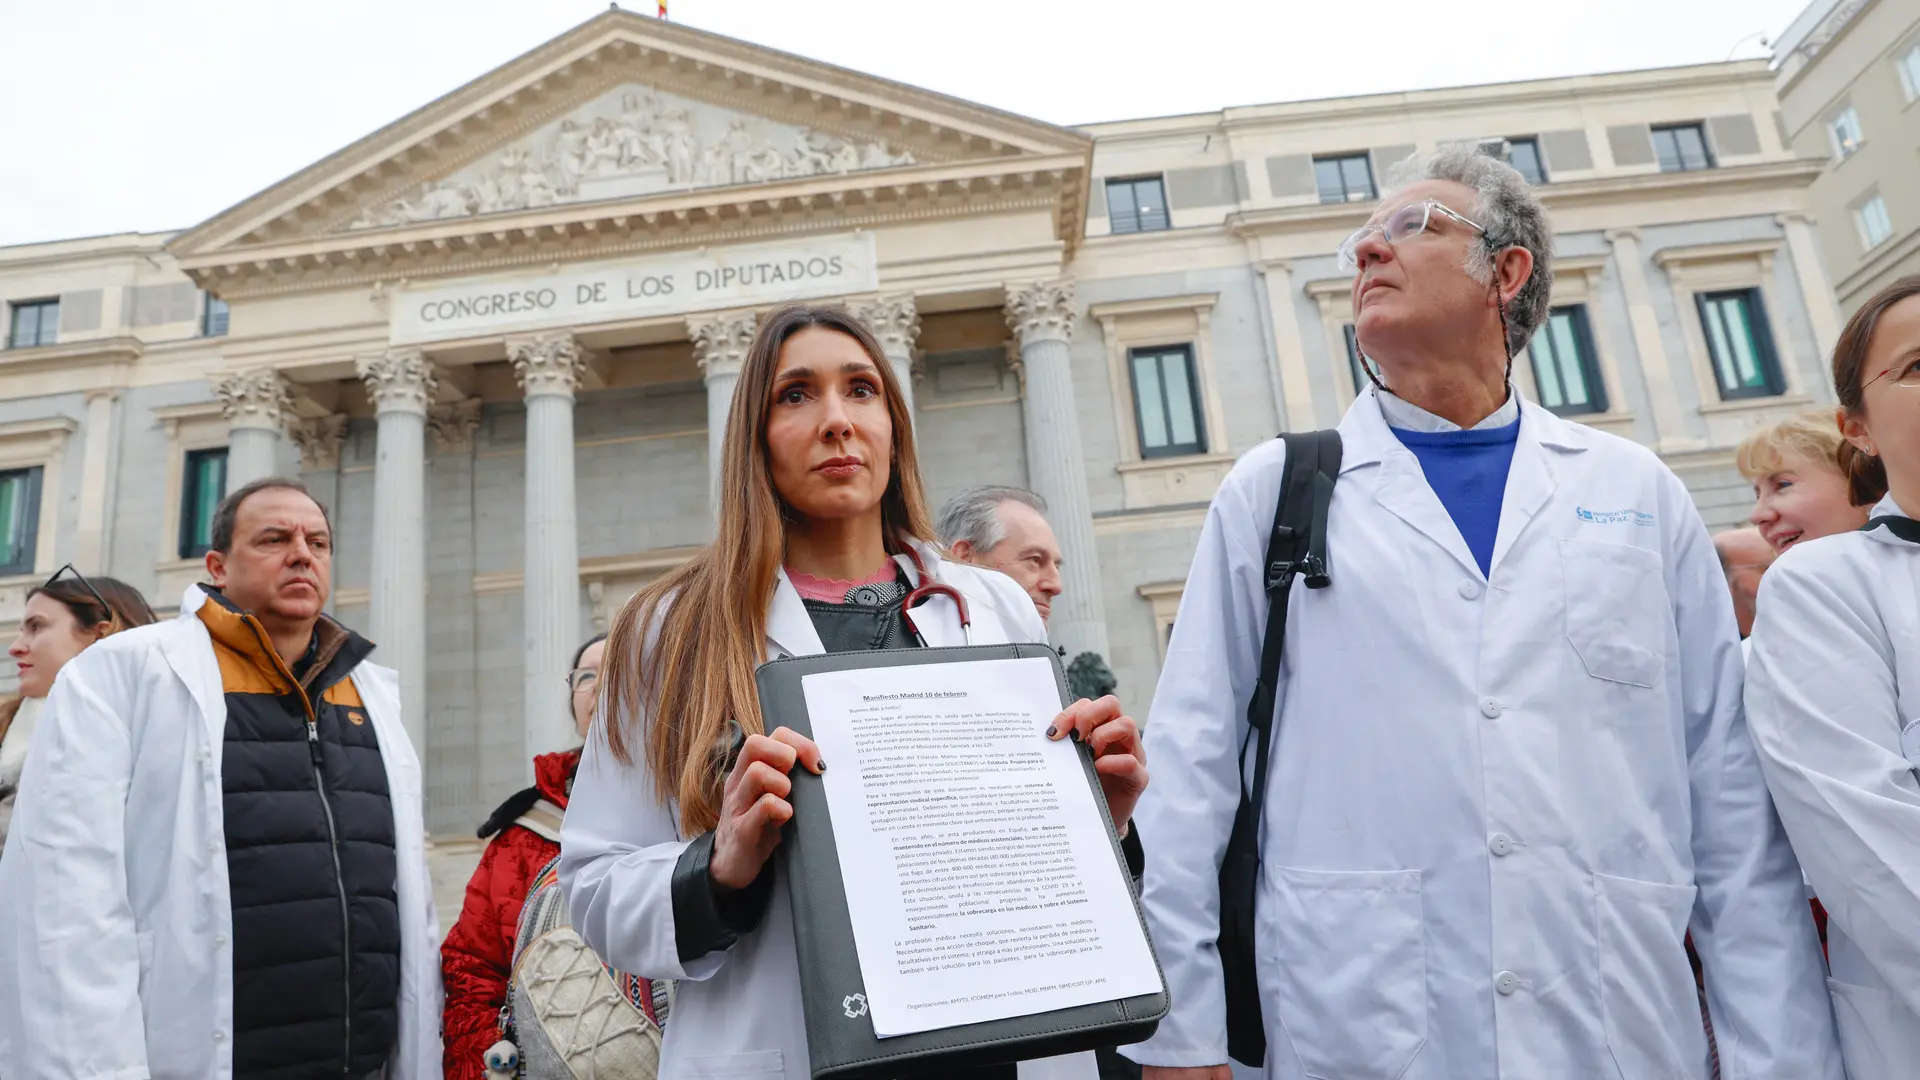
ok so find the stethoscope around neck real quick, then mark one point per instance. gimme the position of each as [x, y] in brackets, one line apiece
[927, 589]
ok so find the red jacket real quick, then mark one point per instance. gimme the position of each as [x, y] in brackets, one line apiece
[477, 956]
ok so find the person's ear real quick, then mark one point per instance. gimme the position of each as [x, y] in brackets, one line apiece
[1512, 268]
[101, 630]
[217, 569]
[963, 550]
[1854, 429]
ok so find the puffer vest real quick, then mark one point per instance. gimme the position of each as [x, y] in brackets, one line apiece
[310, 856]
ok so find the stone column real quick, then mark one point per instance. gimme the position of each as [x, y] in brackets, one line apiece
[1042, 317]
[257, 404]
[1289, 358]
[549, 367]
[1823, 311]
[1670, 427]
[894, 321]
[401, 383]
[720, 347]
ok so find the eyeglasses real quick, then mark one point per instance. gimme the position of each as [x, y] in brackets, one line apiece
[582, 677]
[1410, 220]
[84, 583]
[1909, 375]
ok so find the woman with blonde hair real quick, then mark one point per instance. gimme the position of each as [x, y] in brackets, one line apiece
[676, 811]
[1833, 695]
[62, 618]
[1800, 494]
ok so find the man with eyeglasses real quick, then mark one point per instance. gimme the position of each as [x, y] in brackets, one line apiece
[1509, 768]
[218, 865]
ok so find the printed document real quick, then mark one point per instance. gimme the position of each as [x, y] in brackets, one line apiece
[979, 873]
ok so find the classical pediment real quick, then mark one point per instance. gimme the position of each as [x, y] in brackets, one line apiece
[631, 131]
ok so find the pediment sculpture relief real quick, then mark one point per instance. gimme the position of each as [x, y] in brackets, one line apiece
[633, 141]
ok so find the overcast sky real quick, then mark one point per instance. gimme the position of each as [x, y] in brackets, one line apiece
[156, 114]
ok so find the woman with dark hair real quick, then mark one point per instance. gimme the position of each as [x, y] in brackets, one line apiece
[823, 533]
[62, 618]
[1833, 695]
[477, 957]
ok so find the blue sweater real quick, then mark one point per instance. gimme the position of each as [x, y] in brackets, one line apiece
[1468, 470]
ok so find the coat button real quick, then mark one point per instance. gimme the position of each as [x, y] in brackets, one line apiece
[1506, 982]
[213, 847]
[219, 1036]
[1500, 844]
[219, 941]
[1491, 708]
[1469, 590]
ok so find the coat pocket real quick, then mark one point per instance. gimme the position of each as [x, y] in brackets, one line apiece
[1879, 1038]
[1349, 951]
[729, 1066]
[1616, 609]
[1647, 992]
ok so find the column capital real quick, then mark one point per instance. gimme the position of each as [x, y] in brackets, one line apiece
[893, 319]
[1794, 217]
[453, 425]
[400, 380]
[1042, 310]
[259, 398]
[320, 439]
[1617, 236]
[720, 343]
[548, 364]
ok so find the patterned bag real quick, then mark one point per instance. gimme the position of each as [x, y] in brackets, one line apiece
[570, 1016]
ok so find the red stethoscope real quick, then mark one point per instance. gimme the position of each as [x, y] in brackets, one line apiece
[928, 589]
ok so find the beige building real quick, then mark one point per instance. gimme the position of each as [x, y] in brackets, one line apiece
[1848, 76]
[499, 335]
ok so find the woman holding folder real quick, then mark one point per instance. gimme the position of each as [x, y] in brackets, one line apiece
[666, 854]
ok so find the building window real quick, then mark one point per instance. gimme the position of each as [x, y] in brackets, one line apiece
[205, 485]
[1844, 130]
[1166, 402]
[1524, 155]
[19, 519]
[1357, 363]
[35, 322]
[1565, 366]
[1681, 148]
[1871, 219]
[1344, 178]
[1909, 65]
[1735, 325]
[213, 321]
[1137, 205]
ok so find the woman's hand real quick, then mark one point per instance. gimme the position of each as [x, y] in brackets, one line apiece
[754, 804]
[1118, 755]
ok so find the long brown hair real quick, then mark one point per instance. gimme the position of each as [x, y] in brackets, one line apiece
[703, 625]
[125, 609]
[1866, 474]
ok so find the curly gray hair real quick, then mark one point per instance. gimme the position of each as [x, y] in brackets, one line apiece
[1511, 215]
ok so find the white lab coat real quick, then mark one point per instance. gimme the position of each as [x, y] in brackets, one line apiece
[1495, 806]
[114, 912]
[1833, 695]
[737, 1013]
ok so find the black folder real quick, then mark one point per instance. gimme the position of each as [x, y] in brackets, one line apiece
[840, 1038]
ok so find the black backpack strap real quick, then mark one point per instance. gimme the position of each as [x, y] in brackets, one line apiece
[1296, 547]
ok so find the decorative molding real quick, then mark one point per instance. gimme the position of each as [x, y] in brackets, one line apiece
[1041, 310]
[550, 364]
[1830, 27]
[453, 425]
[320, 439]
[1667, 257]
[720, 343]
[1121, 309]
[647, 143]
[401, 380]
[260, 398]
[893, 319]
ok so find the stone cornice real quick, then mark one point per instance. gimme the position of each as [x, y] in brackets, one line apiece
[99, 352]
[584, 231]
[614, 48]
[1795, 173]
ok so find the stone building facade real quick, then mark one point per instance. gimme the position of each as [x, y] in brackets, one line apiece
[499, 336]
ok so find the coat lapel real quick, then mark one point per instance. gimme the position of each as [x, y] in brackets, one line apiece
[1531, 479]
[189, 652]
[790, 629]
[1402, 489]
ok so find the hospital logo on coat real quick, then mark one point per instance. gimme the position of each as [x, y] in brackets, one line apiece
[855, 1006]
[1613, 517]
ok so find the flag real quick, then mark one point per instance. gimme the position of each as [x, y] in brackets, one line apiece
[663, 8]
